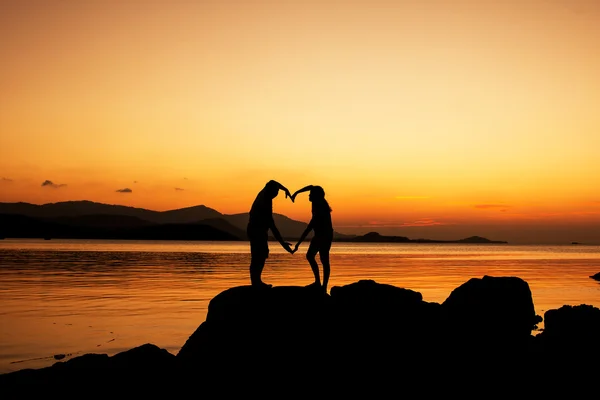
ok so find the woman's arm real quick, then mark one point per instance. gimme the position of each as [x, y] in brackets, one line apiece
[304, 189]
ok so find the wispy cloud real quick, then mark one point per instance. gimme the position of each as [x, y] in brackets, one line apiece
[420, 222]
[51, 184]
[6, 179]
[579, 6]
[179, 189]
[585, 213]
[489, 206]
[125, 190]
[411, 197]
[423, 222]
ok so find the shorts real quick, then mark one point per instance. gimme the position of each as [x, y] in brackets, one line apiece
[259, 243]
[320, 243]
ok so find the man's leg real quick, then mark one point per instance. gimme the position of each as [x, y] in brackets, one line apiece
[256, 267]
[259, 250]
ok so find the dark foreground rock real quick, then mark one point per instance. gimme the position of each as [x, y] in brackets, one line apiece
[362, 334]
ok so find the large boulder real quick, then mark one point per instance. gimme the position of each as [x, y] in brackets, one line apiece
[276, 326]
[359, 328]
[572, 327]
[374, 320]
[567, 348]
[492, 311]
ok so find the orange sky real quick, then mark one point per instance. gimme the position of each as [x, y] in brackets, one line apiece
[431, 118]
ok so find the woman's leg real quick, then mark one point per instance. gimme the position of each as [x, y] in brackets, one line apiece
[324, 256]
[310, 256]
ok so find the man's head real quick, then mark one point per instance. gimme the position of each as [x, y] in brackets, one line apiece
[272, 189]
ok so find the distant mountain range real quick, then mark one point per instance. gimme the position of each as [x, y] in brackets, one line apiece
[90, 220]
[87, 219]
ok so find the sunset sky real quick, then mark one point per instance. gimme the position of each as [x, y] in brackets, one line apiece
[432, 118]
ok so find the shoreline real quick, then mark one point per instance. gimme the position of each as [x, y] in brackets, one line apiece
[489, 315]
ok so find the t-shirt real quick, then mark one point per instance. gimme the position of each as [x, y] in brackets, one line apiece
[261, 212]
[322, 224]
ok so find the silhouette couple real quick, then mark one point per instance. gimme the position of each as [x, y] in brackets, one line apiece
[261, 220]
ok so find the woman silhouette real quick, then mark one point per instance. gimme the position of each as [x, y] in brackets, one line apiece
[322, 226]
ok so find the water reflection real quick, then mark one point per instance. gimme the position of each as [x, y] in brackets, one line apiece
[100, 296]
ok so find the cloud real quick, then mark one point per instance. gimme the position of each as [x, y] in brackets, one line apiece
[411, 197]
[6, 179]
[134, 181]
[586, 213]
[421, 222]
[125, 190]
[488, 206]
[52, 184]
[579, 6]
[179, 189]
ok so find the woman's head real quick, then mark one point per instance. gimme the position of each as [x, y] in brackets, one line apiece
[316, 193]
[317, 197]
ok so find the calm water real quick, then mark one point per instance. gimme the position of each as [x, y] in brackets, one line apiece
[81, 296]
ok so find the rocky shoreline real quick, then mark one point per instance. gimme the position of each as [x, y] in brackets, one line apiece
[364, 333]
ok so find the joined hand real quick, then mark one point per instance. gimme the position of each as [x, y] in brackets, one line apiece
[288, 247]
[288, 194]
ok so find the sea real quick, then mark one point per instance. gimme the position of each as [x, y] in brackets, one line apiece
[64, 298]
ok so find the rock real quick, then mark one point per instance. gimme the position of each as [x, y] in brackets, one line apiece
[491, 309]
[381, 319]
[572, 326]
[245, 324]
[377, 334]
[146, 356]
[134, 367]
[567, 349]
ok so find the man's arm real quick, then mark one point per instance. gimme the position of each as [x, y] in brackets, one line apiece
[281, 187]
[278, 236]
[304, 189]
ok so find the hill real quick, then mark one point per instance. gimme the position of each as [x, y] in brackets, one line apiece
[88, 214]
[222, 224]
[85, 207]
[105, 227]
[88, 220]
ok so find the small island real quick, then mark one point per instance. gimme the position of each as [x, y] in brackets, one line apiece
[374, 237]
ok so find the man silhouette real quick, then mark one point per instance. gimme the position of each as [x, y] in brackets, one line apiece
[259, 223]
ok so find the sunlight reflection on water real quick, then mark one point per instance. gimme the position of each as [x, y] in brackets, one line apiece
[77, 297]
